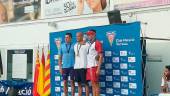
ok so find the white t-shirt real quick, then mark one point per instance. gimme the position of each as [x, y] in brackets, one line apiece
[80, 55]
[93, 51]
[163, 83]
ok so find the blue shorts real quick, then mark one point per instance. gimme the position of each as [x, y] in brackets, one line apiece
[80, 75]
[68, 72]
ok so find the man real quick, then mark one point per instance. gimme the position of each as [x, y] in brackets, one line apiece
[165, 85]
[94, 59]
[66, 62]
[80, 49]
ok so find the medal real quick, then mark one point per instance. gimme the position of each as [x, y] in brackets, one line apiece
[68, 48]
[78, 49]
[91, 42]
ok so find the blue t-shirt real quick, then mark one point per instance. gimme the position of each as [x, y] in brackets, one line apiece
[66, 52]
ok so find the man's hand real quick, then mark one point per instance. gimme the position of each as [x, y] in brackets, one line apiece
[60, 64]
[61, 71]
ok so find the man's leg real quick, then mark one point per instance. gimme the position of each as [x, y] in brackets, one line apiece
[87, 89]
[72, 77]
[72, 87]
[93, 88]
[65, 81]
[97, 89]
[95, 82]
[65, 88]
[89, 77]
[79, 89]
[85, 81]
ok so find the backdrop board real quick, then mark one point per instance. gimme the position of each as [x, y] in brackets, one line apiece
[121, 69]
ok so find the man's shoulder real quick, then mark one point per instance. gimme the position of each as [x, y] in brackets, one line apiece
[98, 42]
[62, 44]
[74, 44]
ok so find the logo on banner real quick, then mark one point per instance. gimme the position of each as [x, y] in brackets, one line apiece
[69, 6]
[132, 85]
[110, 37]
[58, 42]
[124, 91]
[102, 84]
[116, 84]
[57, 89]
[109, 90]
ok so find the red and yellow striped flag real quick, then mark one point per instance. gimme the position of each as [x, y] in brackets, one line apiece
[40, 87]
[36, 74]
[47, 85]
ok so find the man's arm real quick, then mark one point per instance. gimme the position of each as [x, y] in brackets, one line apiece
[99, 57]
[100, 60]
[60, 64]
[60, 60]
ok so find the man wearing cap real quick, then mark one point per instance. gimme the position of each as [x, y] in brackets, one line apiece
[66, 63]
[80, 66]
[94, 61]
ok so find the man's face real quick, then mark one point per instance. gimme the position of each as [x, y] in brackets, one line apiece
[93, 3]
[167, 72]
[91, 37]
[79, 37]
[67, 39]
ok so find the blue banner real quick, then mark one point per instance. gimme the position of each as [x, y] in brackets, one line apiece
[121, 73]
[19, 88]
